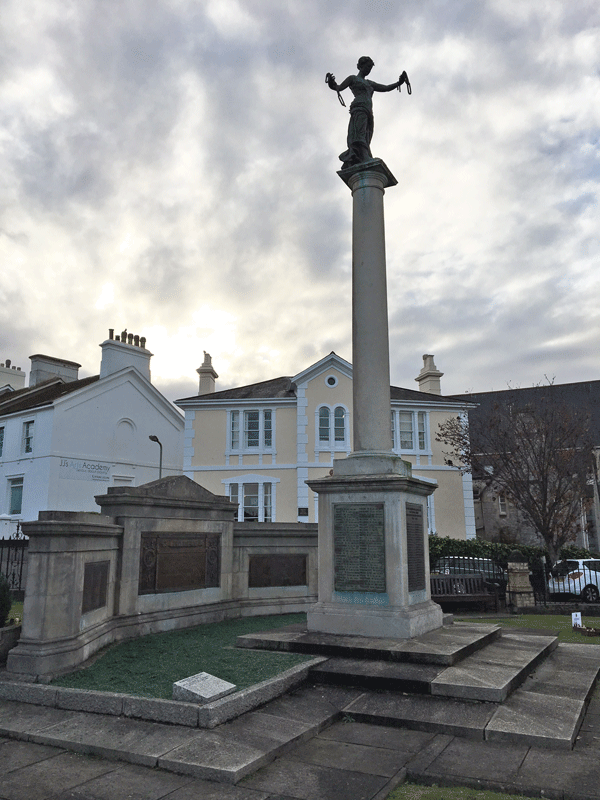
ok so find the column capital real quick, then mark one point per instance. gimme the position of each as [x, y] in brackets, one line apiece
[376, 169]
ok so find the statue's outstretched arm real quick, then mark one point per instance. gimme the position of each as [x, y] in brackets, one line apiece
[338, 87]
[380, 87]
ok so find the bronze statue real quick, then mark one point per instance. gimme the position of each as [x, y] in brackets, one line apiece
[360, 127]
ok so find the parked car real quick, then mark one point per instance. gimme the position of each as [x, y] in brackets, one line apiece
[453, 565]
[576, 577]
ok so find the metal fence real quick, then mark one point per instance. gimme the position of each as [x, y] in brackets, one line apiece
[13, 562]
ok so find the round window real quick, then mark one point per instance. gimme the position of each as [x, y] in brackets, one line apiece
[331, 380]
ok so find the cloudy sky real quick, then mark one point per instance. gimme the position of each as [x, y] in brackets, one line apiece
[169, 167]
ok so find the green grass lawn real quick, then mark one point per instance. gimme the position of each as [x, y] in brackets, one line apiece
[149, 666]
[410, 791]
[16, 611]
[555, 624]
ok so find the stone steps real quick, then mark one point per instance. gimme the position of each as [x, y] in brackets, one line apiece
[445, 646]
[545, 711]
[488, 675]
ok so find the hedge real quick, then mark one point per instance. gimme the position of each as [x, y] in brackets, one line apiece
[478, 548]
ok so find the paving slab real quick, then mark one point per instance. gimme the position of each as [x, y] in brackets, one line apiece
[367, 759]
[479, 761]
[205, 790]
[297, 779]
[315, 704]
[577, 775]
[17, 754]
[52, 776]
[493, 673]
[216, 757]
[131, 782]
[268, 732]
[398, 739]
[19, 719]
[136, 741]
[555, 675]
[537, 719]
[423, 713]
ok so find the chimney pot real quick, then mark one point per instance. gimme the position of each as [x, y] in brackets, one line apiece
[130, 338]
[8, 363]
[143, 342]
[111, 333]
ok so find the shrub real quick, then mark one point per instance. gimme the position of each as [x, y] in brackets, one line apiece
[478, 548]
[5, 600]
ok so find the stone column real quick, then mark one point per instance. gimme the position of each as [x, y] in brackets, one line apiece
[371, 426]
[373, 548]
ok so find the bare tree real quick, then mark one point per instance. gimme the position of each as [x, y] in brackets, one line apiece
[539, 454]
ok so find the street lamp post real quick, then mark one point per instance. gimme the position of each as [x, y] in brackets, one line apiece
[154, 438]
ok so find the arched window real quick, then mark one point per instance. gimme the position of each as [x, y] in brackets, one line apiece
[332, 429]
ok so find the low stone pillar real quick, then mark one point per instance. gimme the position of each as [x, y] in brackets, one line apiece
[69, 594]
[519, 591]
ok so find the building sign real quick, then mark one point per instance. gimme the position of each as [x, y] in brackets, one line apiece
[82, 469]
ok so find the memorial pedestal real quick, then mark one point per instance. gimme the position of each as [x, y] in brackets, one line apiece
[374, 557]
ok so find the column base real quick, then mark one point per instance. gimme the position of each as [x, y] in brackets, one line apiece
[371, 462]
[377, 622]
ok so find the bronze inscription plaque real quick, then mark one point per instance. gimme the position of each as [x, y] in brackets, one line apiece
[277, 570]
[415, 546]
[178, 562]
[359, 547]
[95, 585]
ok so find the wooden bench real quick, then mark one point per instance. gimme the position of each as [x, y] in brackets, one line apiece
[471, 588]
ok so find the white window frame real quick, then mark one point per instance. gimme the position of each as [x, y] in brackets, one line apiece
[13, 483]
[419, 430]
[238, 430]
[332, 443]
[502, 511]
[28, 437]
[263, 481]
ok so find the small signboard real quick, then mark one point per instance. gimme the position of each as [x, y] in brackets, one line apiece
[576, 619]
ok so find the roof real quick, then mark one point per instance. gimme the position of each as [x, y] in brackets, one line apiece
[277, 388]
[43, 394]
[416, 396]
[284, 388]
[584, 396]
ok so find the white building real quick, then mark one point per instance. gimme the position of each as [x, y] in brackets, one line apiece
[259, 444]
[64, 440]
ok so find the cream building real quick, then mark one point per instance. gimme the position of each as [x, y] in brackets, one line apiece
[259, 444]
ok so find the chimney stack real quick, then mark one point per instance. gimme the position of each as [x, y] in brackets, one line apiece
[45, 367]
[207, 375]
[429, 377]
[11, 376]
[124, 351]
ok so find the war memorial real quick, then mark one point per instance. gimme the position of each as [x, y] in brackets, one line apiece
[394, 688]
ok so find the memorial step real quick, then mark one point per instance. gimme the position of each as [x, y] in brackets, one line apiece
[444, 647]
[489, 675]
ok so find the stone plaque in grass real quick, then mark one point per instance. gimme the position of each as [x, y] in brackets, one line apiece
[201, 688]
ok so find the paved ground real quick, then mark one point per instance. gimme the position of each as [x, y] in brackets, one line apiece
[345, 761]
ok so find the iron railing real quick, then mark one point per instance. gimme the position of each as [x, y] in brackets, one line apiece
[13, 562]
